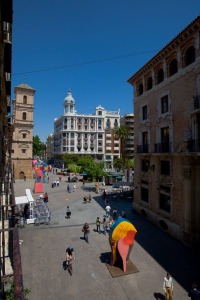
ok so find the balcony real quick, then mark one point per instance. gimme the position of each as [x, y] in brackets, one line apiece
[162, 148]
[143, 148]
[193, 145]
[196, 102]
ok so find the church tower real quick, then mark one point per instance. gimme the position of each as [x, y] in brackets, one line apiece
[22, 145]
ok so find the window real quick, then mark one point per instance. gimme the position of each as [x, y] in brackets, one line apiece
[24, 135]
[144, 112]
[189, 56]
[140, 89]
[173, 67]
[165, 167]
[23, 150]
[164, 105]
[145, 143]
[13, 151]
[165, 139]
[145, 163]
[25, 100]
[144, 191]
[24, 116]
[108, 124]
[165, 200]
[116, 123]
[100, 113]
[149, 83]
[160, 76]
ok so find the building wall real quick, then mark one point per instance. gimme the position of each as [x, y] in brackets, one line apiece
[167, 138]
[127, 145]
[85, 134]
[22, 146]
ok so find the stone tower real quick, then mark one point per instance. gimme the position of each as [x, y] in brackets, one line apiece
[22, 145]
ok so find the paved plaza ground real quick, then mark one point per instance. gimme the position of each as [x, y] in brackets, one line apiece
[43, 252]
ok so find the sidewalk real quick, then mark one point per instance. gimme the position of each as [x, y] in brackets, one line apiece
[43, 252]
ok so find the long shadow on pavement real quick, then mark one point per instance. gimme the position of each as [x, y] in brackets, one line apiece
[181, 262]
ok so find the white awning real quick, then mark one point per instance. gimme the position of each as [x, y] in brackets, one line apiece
[21, 200]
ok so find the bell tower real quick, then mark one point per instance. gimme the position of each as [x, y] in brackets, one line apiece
[22, 144]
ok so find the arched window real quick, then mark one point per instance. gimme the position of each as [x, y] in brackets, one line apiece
[108, 124]
[173, 67]
[24, 116]
[149, 83]
[140, 89]
[189, 56]
[25, 100]
[160, 76]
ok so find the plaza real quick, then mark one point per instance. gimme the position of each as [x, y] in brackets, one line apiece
[43, 251]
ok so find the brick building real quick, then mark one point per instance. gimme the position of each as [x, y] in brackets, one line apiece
[167, 137]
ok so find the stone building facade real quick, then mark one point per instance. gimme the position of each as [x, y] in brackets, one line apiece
[86, 134]
[167, 137]
[22, 144]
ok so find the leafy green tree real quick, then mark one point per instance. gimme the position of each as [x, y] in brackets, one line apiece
[129, 163]
[118, 164]
[72, 168]
[70, 159]
[38, 146]
[85, 161]
[96, 170]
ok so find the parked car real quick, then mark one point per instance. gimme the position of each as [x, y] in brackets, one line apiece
[74, 179]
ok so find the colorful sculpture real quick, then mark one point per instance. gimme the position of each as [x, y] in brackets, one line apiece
[122, 234]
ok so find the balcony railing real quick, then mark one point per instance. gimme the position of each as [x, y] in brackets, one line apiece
[162, 148]
[196, 102]
[143, 148]
[193, 145]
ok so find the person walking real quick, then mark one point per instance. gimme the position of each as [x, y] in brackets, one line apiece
[46, 198]
[114, 214]
[86, 231]
[108, 208]
[168, 287]
[105, 225]
[68, 213]
[98, 224]
[123, 213]
[194, 294]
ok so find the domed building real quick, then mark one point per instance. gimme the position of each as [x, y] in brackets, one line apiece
[86, 134]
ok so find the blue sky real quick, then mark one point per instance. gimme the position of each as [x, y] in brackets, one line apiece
[91, 47]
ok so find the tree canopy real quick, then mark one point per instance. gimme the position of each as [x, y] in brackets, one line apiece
[38, 146]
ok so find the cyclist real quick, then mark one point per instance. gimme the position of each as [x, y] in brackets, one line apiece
[70, 254]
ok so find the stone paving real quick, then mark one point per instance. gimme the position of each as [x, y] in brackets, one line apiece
[43, 252]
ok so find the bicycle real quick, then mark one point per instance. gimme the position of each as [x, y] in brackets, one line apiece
[69, 266]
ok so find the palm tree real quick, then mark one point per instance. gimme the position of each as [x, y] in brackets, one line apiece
[122, 133]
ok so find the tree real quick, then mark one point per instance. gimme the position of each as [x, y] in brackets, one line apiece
[85, 161]
[96, 170]
[118, 164]
[70, 159]
[72, 168]
[122, 133]
[38, 146]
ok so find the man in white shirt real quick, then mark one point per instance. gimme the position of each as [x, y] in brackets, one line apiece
[168, 287]
[108, 208]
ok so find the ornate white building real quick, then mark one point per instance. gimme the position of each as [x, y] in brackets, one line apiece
[86, 134]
